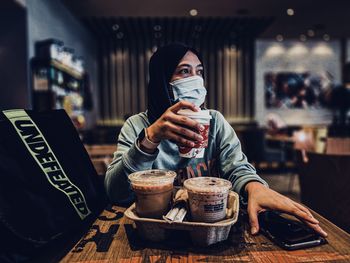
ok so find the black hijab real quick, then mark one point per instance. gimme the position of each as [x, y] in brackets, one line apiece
[162, 66]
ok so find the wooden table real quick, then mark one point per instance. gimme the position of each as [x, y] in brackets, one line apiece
[112, 238]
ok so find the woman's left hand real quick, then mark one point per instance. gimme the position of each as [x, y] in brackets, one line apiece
[262, 198]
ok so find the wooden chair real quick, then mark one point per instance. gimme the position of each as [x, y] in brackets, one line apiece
[324, 183]
[101, 150]
[101, 156]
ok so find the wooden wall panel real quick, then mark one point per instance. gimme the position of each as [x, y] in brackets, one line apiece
[126, 45]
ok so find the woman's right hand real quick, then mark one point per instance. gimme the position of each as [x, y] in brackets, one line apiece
[177, 128]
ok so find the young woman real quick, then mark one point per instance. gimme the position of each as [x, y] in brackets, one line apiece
[149, 140]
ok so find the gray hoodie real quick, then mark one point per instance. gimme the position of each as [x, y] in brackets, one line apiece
[222, 158]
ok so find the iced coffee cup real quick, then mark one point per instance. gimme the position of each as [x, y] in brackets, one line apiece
[203, 117]
[153, 190]
[207, 198]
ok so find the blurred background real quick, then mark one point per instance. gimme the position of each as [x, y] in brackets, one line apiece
[279, 71]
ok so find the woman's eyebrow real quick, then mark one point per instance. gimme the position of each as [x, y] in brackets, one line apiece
[188, 65]
[184, 65]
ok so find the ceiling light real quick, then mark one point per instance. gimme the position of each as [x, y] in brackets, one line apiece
[279, 38]
[326, 37]
[297, 50]
[302, 37]
[311, 33]
[322, 50]
[115, 27]
[157, 27]
[275, 50]
[193, 12]
[290, 12]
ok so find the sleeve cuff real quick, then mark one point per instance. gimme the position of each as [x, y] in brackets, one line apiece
[239, 187]
[136, 160]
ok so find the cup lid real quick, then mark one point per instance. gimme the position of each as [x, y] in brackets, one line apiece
[207, 185]
[203, 114]
[152, 177]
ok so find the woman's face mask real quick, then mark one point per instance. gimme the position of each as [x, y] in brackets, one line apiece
[190, 89]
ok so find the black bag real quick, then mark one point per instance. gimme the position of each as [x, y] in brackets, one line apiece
[47, 181]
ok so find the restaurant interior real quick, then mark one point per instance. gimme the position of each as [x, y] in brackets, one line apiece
[278, 71]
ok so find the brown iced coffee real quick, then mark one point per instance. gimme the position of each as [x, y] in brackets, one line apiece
[153, 190]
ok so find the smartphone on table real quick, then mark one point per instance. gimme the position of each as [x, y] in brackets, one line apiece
[287, 233]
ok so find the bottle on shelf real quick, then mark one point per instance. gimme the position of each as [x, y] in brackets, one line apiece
[67, 57]
[58, 80]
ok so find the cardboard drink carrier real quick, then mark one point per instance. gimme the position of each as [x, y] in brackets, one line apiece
[201, 233]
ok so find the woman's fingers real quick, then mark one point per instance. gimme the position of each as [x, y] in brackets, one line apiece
[261, 198]
[180, 129]
[184, 121]
[285, 204]
[184, 132]
[183, 104]
[317, 228]
[253, 219]
[301, 213]
[179, 139]
[310, 217]
[310, 220]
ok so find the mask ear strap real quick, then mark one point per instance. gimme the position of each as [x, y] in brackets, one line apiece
[171, 93]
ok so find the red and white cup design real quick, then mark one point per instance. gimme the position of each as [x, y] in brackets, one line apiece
[207, 198]
[203, 117]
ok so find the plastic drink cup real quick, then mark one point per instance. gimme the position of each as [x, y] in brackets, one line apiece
[153, 190]
[207, 198]
[203, 117]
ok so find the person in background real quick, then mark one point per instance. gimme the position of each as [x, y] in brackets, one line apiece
[275, 124]
[150, 140]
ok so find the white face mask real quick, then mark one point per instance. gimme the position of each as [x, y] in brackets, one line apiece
[190, 89]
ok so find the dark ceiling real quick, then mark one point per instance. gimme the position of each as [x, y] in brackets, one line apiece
[156, 30]
[323, 17]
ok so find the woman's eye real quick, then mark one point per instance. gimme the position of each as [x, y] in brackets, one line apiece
[184, 71]
[200, 72]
